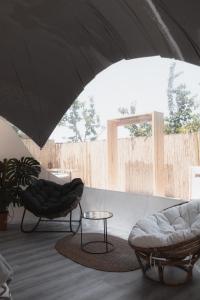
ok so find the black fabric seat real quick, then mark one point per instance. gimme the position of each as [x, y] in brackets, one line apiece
[47, 199]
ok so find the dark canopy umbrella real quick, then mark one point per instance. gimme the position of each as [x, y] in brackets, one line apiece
[50, 49]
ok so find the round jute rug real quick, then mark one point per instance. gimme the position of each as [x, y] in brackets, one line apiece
[121, 259]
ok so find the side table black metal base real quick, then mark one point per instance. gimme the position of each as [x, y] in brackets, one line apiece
[108, 245]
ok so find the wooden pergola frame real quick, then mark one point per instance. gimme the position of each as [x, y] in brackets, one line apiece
[157, 120]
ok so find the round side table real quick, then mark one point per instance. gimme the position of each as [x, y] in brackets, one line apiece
[97, 215]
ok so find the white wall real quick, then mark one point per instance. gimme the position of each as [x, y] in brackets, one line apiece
[10, 144]
[127, 208]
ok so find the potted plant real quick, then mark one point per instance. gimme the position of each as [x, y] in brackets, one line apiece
[15, 175]
[6, 193]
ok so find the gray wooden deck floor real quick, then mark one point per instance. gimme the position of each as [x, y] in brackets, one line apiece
[42, 274]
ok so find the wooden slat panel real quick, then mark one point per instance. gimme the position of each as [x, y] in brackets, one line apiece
[158, 153]
[112, 155]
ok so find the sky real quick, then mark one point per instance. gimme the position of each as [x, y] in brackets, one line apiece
[141, 81]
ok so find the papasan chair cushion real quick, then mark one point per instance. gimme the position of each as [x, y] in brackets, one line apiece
[51, 200]
[171, 226]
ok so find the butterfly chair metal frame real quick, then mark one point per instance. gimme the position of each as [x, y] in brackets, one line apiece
[54, 220]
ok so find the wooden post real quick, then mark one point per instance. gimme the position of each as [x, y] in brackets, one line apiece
[158, 152]
[157, 119]
[112, 155]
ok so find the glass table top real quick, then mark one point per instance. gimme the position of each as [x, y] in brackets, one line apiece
[97, 215]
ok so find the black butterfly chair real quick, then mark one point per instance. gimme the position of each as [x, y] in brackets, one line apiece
[48, 200]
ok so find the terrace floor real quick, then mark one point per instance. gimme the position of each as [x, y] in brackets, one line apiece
[41, 273]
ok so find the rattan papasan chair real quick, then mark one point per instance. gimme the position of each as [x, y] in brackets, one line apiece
[168, 240]
[49, 201]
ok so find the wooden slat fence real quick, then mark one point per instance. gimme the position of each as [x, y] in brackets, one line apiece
[88, 160]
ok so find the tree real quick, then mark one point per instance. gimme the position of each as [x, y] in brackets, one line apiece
[182, 106]
[72, 118]
[91, 121]
[134, 129]
[82, 119]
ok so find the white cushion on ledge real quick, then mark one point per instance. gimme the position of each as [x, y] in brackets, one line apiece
[172, 226]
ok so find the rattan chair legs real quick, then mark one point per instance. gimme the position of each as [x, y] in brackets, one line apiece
[40, 219]
[160, 259]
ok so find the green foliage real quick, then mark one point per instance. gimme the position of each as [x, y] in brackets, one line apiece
[83, 121]
[136, 130]
[72, 119]
[192, 126]
[14, 176]
[91, 121]
[7, 191]
[182, 117]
